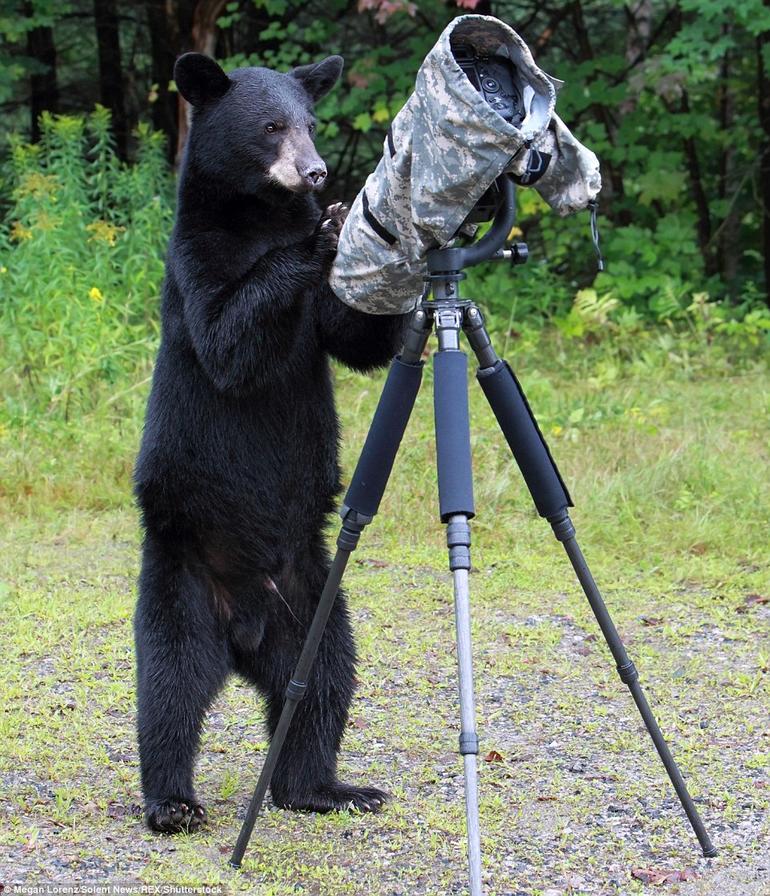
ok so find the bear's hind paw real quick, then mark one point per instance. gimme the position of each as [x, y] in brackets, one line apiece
[337, 798]
[174, 816]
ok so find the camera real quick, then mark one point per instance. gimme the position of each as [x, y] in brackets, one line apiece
[481, 108]
[496, 79]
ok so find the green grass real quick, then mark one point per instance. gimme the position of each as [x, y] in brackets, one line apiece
[665, 450]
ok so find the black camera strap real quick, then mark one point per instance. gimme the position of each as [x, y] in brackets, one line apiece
[594, 206]
[537, 165]
[382, 232]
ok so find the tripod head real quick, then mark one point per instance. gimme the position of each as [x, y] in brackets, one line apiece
[443, 305]
[445, 266]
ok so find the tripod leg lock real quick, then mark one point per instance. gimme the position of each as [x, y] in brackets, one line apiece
[458, 539]
[628, 673]
[562, 527]
[469, 743]
[353, 524]
[295, 690]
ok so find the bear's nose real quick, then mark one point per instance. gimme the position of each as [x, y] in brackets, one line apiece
[314, 176]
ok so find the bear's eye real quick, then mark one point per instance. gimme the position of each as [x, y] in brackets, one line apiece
[271, 127]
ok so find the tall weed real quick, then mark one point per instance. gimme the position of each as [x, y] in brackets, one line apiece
[81, 261]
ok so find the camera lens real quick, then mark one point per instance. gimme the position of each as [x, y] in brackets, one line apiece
[490, 85]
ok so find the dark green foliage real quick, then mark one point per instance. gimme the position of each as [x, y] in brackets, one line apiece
[668, 104]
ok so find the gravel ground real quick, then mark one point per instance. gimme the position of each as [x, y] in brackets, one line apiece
[574, 800]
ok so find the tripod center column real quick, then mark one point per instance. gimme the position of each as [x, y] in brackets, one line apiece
[455, 482]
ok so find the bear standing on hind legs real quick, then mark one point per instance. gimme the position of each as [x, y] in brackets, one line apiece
[238, 465]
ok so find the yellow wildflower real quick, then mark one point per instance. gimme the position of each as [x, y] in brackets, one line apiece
[37, 185]
[19, 232]
[95, 295]
[104, 232]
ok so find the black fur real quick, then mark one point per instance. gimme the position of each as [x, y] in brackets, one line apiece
[238, 465]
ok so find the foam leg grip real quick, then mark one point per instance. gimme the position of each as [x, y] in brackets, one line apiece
[523, 435]
[453, 435]
[379, 452]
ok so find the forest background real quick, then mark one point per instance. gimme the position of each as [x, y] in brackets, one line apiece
[674, 97]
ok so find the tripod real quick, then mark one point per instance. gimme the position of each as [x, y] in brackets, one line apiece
[449, 314]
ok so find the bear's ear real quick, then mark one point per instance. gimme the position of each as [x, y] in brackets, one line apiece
[199, 79]
[319, 77]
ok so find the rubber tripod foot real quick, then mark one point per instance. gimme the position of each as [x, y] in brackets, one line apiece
[711, 852]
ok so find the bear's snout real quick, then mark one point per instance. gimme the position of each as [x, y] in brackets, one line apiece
[313, 175]
[298, 167]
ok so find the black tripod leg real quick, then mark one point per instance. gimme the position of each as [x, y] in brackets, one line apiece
[565, 532]
[552, 500]
[361, 504]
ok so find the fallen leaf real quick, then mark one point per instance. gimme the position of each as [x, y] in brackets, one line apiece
[493, 756]
[658, 877]
[648, 875]
[547, 799]
[651, 620]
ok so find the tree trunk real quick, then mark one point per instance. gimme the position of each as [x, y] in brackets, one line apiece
[110, 70]
[699, 195]
[728, 247]
[639, 18]
[44, 90]
[203, 39]
[164, 45]
[763, 94]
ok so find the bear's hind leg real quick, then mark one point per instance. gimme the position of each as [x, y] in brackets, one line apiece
[305, 778]
[182, 662]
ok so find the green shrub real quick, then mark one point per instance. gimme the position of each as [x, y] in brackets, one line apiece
[81, 262]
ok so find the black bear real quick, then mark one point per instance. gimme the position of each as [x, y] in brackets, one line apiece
[237, 469]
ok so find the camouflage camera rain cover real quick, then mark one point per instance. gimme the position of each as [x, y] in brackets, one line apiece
[444, 149]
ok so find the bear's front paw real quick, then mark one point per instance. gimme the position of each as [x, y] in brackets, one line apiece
[174, 816]
[327, 232]
[336, 213]
[335, 798]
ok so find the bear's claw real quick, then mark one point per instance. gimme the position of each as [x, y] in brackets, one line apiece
[337, 212]
[173, 816]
